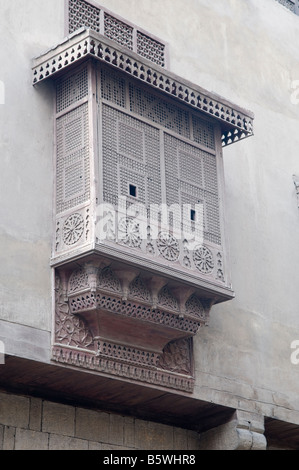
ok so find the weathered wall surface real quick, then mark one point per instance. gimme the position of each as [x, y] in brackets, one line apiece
[26, 149]
[245, 51]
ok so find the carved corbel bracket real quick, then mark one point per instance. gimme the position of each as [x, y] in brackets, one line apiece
[126, 276]
[182, 293]
[155, 283]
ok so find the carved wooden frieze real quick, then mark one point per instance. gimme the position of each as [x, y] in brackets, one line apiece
[115, 320]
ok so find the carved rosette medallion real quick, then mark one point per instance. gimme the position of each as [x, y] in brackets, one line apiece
[128, 232]
[168, 246]
[73, 229]
[203, 259]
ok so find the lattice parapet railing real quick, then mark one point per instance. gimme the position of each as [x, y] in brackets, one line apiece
[83, 13]
[236, 123]
[292, 5]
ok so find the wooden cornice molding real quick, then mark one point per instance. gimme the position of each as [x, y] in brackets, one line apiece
[236, 123]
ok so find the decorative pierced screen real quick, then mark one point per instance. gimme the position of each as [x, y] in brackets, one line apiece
[130, 141]
[71, 89]
[160, 111]
[203, 132]
[150, 49]
[190, 160]
[113, 87]
[118, 31]
[131, 155]
[82, 13]
[191, 178]
[72, 170]
[135, 152]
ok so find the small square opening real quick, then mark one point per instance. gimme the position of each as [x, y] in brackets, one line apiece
[132, 190]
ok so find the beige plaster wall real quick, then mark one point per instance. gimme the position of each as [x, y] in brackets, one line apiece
[26, 150]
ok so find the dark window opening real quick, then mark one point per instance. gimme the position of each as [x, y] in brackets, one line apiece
[133, 190]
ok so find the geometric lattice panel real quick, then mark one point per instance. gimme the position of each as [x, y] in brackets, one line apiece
[203, 132]
[82, 13]
[146, 104]
[150, 48]
[72, 163]
[134, 152]
[70, 90]
[131, 155]
[191, 177]
[119, 31]
[113, 87]
[159, 110]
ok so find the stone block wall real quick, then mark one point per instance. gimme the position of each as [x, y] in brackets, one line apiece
[28, 423]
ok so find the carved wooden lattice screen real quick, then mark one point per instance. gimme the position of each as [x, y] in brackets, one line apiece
[169, 155]
[131, 156]
[90, 15]
[129, 304]
[73, 184]
[72, 171]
